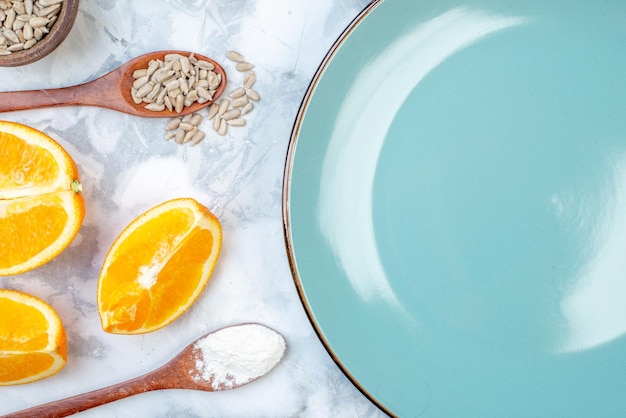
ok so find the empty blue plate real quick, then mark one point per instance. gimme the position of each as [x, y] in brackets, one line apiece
[455, 207]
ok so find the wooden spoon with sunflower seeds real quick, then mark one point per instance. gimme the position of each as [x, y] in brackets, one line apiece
[173, 78]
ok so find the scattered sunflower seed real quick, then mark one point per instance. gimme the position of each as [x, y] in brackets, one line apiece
[249, 80]
[225, 113]
[244, 66]
[236, 122]
[223, 128]
[240, 101]
[234, 56]
[224, 103]
[213, 109]
[247, 108]
[184, 129]
[253, 95]
[238, 92]
[231, 114]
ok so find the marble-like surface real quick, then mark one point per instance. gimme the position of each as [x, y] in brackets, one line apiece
[128, 167]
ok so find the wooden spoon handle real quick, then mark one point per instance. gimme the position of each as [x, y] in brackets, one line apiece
[78, 403]
[100, 92]
[33, 99]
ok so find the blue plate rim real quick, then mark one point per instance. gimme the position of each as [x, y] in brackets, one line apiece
[367, 10]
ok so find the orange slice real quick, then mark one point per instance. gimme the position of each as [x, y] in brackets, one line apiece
[32, 339]
[41, 207]
[157, 267]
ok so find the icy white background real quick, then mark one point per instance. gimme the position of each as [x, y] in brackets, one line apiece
[126, 167]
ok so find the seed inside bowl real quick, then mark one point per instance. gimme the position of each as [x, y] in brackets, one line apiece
[23, 23]
[175, 82]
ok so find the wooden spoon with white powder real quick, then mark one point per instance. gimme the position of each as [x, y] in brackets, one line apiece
[224, 359]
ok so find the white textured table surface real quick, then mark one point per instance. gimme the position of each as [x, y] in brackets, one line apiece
[127, 167]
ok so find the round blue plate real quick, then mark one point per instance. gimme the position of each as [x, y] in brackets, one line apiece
[455, 207]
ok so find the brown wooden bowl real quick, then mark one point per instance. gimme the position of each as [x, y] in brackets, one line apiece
[47, 44]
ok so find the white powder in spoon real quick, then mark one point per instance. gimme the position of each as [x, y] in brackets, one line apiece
[236, 355]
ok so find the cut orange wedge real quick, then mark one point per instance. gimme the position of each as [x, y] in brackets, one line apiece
[32, 339]
[158, 266]
[41, 207]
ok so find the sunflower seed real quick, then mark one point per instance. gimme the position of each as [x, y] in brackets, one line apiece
[144, 90]
[213, 109]
[186, 126]
[190, 134]
[37, 21]
[20, 35]
[174, 92]
[240, 101]
[161, 96]
[16, 47]
[152, 67]
[10, 36]
[214, 80]
[253, 95]
[217, 120]
[52, 20]
[49, 11]
[180, 135]
[154, 92]
[19, 8]
[163, 75]
[244, 66]
[205, 65]
[140, 81]
[192, 96]
[196, 119]
[180, 102]
[133, 94]
[19, 24]
[236, 122]
[238, 92]
[249, 80]
[184, 85]
[247, 108]
[223, 129]
[155, 107]
[185, 65]
[231, 114]
[199, 136]
[234, 56]
[169, 135]
[46, 3]
[10, 18]
[172, 57]
[223, 106]
[172, 84]
[168, 103]
[204, 93]
[140, 73]
[172, 124]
